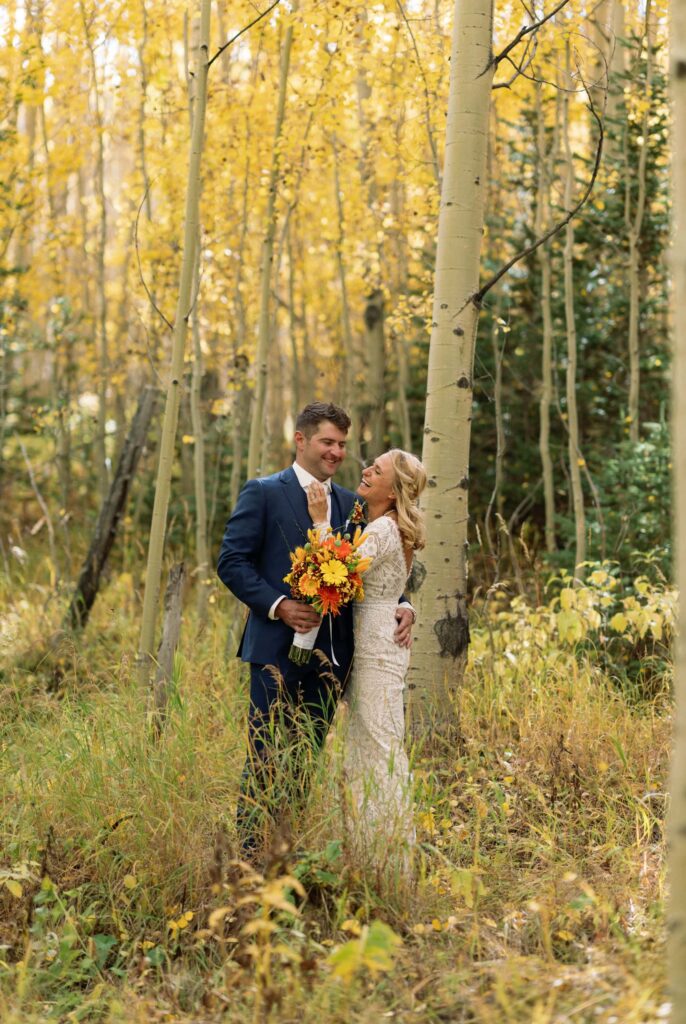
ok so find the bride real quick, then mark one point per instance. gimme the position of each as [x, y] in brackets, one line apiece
[376, 764]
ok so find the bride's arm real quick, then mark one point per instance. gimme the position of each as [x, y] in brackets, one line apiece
[317, 506]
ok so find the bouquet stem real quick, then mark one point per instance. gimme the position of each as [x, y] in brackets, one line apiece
[302, 645]
[300, 655]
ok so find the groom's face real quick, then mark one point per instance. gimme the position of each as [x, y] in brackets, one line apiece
[322, 453]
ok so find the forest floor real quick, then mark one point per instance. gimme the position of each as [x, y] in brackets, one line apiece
[538, 890]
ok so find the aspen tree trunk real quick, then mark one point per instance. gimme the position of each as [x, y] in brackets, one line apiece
[142, 149]
[263, 336]
[351, 366]
[546, 400]
[374, 345]
[495, 499]
[442, 631]
[201, 547]
[615, 92]
[293, 329]
[171, 410]
[575, 460]
[101, 316]
[400, 288]
[676, 846]
[374, 341]
[197, 425]
[634, 225]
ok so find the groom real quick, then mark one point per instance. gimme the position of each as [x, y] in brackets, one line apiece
[269, 521]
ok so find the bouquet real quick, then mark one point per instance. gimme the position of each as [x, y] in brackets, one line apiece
[326, 573]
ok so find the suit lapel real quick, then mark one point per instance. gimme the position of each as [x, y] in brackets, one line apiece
[297, 500]
[338, 512]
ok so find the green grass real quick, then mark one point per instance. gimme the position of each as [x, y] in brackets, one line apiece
[538, 892]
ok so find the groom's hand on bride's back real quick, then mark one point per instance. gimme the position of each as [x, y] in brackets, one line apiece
[403, 631]
[299, 616]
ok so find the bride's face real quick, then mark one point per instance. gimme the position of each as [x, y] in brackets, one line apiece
[376, 486]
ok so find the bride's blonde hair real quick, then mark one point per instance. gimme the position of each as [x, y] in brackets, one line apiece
[409, 480]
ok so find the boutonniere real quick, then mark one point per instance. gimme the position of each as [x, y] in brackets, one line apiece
[358, 513]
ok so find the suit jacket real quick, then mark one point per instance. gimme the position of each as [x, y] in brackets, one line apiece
[269, 521]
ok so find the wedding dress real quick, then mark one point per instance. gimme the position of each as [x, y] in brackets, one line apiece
[376, 765]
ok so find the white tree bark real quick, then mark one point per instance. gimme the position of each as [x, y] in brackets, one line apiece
[442, 631]
[263, 336]
[101, 318]
[546, 399]
[676, 931]
[634, 226]
[574, 451]
[158, 525]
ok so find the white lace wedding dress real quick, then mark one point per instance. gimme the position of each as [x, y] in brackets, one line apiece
[376, 765]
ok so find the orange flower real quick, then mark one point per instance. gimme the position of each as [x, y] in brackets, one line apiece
[330, 600]
[344, 549]
[308, 586]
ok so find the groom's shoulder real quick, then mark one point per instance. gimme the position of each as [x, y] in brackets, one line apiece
[344, 493]
[271, 480]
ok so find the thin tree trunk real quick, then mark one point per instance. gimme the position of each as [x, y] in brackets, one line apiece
[442, 631]
[374, 345]
[676, 846]
[111, 513]
[634, 225]
[201, 546]
[101, 315]
[374, 342]
[183, 310]
[575, 459]
[615, 92]
[403, 377]
[293, 330]
[350, 354]
[494, 502]
[197, 425]
[546, 400]
[171, 629]
[263, 339]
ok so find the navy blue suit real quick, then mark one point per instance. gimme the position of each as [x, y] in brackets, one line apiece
[269, 521]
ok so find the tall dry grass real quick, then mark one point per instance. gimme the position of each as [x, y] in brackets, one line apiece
[537, 889]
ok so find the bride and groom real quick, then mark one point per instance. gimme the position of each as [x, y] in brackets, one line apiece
[364, 649]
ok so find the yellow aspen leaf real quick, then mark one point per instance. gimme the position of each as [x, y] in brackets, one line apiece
[130, 881]
[14, 887]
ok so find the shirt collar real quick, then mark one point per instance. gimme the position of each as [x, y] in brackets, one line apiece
[305, 478]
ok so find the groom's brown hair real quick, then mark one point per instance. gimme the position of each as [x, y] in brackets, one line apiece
[315, 413]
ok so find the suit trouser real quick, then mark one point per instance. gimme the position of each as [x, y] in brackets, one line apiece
[288, 721]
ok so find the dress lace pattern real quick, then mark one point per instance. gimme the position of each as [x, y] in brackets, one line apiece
[376, 764]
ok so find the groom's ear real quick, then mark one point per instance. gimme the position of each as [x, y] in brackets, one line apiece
[299, 439]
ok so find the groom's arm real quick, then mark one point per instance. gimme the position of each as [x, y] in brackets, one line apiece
[404, 616]
[242, 545]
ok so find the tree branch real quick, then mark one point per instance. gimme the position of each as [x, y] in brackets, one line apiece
[519, 68]
[527, 30]
[478, 297]
[242, 32]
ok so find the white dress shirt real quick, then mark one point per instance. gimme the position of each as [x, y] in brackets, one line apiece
[305, 479]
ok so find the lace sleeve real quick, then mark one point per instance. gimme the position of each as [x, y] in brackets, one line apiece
[378, 538]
